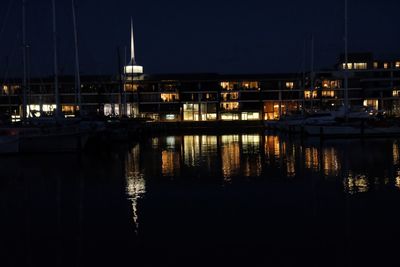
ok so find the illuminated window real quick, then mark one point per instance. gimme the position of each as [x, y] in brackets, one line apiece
[328, 93]
[349, 66]
[396, 93]
[289, 85]
[169, 97]
[250, 116]
[229, 96]
[397, 64]
[307, 94]
[385, 65]
[229, 116]
[227, 85]
[230, 105]
[360, 66]
[131, 87]
[374, 103]
[170, 117]
[191, 112]
[376, 65]
[325, 84]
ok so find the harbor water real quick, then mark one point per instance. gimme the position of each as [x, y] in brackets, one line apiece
[205, 200]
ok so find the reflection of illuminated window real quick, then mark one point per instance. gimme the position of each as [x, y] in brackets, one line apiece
[230, 153]
[169, 97]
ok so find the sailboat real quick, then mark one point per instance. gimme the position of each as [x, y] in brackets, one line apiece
[56, 134]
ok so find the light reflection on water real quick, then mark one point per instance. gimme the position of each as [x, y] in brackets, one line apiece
[227, 157]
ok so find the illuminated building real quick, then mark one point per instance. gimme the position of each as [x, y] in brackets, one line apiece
[212, 97]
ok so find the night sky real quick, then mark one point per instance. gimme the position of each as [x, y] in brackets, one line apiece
[197, 36]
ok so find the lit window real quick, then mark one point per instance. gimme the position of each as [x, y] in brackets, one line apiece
[396, 93]
[385, 65]
[230, 105]
[169, 97]
[289, 85]
[229, 96]
[360, 66]
[170, 117]
[397, 64]
[307, 94]
[376, 65]
[349, 66]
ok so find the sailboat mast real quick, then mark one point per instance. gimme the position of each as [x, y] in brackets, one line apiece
[346, 65]
[24, 59]
[312, 72]
[56, 88]
[77, 69]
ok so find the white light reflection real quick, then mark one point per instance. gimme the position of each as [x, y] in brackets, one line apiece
[136, 185]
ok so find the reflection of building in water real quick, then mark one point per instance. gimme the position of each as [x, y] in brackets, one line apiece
[311, 158]
[396, 155]
[230, 153]
[135, 183]
[330, 162]
[200, 153]
[251, 156]
[356, 184]
[291, 161]
[272, 148]
[170, 165]
[397, 182]
[191, 150]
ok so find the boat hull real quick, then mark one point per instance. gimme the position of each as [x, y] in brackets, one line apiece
[53, 143]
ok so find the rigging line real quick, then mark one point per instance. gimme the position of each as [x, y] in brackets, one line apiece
[4, 22]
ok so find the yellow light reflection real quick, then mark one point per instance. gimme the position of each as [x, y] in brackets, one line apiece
[170, 163]
[230, 153]
[331, 162]
[356, 184]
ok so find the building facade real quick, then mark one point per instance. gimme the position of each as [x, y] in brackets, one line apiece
[211, 97]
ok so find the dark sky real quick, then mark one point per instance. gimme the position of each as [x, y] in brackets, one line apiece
[172, 36]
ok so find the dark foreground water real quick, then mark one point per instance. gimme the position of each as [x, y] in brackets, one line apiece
[204, 200]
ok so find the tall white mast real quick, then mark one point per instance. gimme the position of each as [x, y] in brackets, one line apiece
[57, 94]
[133, 61]
[77, 69]
[346, 64]
[24, 59]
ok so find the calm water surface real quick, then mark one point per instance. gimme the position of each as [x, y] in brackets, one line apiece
[205, 200]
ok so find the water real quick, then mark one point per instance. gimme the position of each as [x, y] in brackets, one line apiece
[205, 200]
